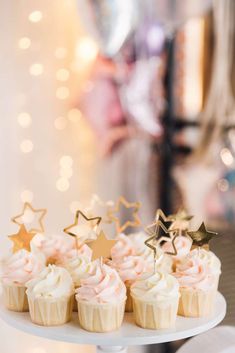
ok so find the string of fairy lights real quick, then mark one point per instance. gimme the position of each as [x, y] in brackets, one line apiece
[85, 53]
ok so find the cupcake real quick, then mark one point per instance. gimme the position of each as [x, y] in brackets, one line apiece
[123, 247]
[129, 268]
[198, 287]
[79, 268]
[212, 261]
[50, 296]
[18, 269]
[155, 301]
[56, 248]
[101, 299]
[183, 246]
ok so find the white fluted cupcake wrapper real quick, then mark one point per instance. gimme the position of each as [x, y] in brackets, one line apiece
[15, 298]
[155, 315]
[100, 317]
[196, 303]
[50, 312]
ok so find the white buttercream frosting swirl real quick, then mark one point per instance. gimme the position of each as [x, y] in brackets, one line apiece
[156, 287]
[79, 268]
[52, 282]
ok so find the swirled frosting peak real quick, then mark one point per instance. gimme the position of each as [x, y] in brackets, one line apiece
[155, 287]
[52, 282]
[102, 286]
[79, 267]
[183, 245]
[123, 247]
[20, 267]
[130, 268]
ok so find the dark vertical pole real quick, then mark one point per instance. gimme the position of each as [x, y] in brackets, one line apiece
[167, 157]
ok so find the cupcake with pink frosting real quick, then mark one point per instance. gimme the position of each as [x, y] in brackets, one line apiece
[18, 269]
[101, 299]
[123, 247]
[129, 268]
[183, 246]
[197, 287]
[55, 248]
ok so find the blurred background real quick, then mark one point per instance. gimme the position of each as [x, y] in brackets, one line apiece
[119, 97]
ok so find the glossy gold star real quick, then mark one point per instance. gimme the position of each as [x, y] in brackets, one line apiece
[86, 231]
[160, 234]
[100, 208]
[180, 220]
[27, 217]
[101, 247]
[201, 236]
[129, 223]
[22, 239]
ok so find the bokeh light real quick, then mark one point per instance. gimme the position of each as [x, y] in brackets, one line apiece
[24, 43]
[86, 49]
[24, 119]
[26, 146]
[62, 92]
[74, 115]
[66, 162]
[62, 184]
[62, 75]
[36, 69]
[35, 16]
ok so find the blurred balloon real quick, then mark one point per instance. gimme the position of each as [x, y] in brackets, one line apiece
[173, 13]
[109, 22]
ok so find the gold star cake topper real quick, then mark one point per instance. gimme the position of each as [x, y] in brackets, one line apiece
[31, 218]
[201, 236]
[181, 220]
[101, 247]
[84, 228]
[135, 222]
[22, 239]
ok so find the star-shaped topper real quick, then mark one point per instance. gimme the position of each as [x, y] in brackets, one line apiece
[22, 239]
[135, 222]
[101, 247]
[161, 235]
[154, 229]
[30, 217]
[201, 236]
[83, 228]
[101, 208]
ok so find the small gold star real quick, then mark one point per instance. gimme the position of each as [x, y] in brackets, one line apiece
[22, 239]
[101, 247]
[83, 232]
[129, 223]
[180, 220]
[201, 236]
[27, 217]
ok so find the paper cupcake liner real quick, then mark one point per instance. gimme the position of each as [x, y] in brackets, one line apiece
[15, 298]
[196, 303]
[50, 312]
[153, 315]
[100, 317]
[129, 302]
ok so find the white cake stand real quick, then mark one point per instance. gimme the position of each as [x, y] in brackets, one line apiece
[117, 341]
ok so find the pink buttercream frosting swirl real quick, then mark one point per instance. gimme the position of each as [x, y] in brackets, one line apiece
[130, 268]
[103, 285]
[183, 245]
[194, 273]
[21, 267]
[123, 247]
[56, 248]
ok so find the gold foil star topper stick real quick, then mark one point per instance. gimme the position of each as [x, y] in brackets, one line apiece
[84, 228]
[22, 239]
[160, 234]
[101, 247]
[31, 218]
[201, 236]
[100, 208]
[134, 222]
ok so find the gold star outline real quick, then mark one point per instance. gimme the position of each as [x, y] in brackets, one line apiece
[41, 211]
[94, 222]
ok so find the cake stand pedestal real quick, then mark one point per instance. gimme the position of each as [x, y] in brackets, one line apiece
[117, 341]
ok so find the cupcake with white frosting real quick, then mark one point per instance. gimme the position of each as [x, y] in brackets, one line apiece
[123, 247]
[183, 246]
[18, 269]
[155, 301]
[50, 296]
[56, 248]
[198, 287]
[101, 299]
